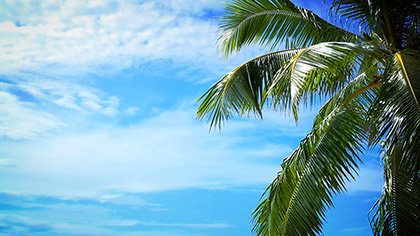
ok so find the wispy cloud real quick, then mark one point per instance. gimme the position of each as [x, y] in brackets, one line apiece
[16, 226]
[45, 215]
[33, 107]
[21, 119]
[71, 95]
[354, 230]
[188, 225]
[125, 199]
[74, 37]
[169, 151]
[370, 178]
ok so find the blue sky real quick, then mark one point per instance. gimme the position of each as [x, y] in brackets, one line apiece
[98, 129]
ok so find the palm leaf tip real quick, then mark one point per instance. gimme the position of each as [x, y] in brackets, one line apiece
[243, 91]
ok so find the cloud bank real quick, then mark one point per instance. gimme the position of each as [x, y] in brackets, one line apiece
[169, 151]
[77, 37]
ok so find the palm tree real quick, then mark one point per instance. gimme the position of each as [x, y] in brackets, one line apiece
[369, 80]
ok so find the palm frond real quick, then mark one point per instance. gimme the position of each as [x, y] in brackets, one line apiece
[397, 24]
[298, 197]
[373, 86]
[410, 67]
[270, 23]
[396, 117]
[319, 71]
[395, 114]
[397, 211]
[243, 90]
[365, 13]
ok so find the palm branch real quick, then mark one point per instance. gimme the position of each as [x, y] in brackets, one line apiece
[371, 84]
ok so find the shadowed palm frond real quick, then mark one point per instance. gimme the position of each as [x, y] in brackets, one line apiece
[396, 24]
[297, 199]
[397, 126]
[396, 211]
[395, 115]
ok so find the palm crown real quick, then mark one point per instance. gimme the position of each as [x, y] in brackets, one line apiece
[370, 82]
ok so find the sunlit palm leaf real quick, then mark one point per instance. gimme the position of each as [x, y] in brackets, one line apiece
[410, 67]
[271, 22]
[319, 71]
[244, 89]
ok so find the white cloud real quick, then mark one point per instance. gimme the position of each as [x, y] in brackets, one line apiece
[26, 118]
[4, 162]
[272, 150]
[74, 37]
[188, 225]
[171, 225]
[169, 151]
[123, 199]
[193, 7]
[89, 216]
[131, 111]
[20, 120]
[71, 95]
[370, 179]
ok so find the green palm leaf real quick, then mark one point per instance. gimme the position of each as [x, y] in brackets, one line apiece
[244, 89]
[318, 71]
[395, 24]
[397, 117]
[373, 86]
[296, 200]
[398, 208]
[410, 67]
[395, 114]
[268, 23]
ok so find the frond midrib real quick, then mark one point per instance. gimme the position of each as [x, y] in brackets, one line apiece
[407, 78]
[305, 169]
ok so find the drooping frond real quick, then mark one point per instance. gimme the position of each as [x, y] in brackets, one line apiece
[396, 125]
[395, 114]
[297, 199]
[397, 211]
[271, 22]
[244, 89]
